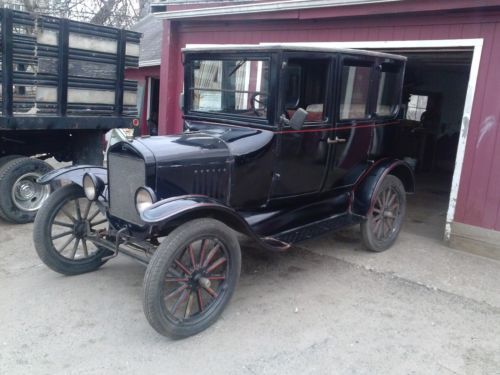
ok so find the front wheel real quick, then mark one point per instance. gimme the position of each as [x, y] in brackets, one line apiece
[191, 278]
[60, 232]
[385, 218]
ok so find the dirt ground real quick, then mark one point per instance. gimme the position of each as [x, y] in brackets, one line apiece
[326, 307]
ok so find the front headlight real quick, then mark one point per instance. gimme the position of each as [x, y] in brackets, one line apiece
[144, 198]
[92, 186]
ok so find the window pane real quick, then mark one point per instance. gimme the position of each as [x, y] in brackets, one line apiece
[354, 92]
[417, 105]
[306, 87]
[422, 102]
[230, 86]
[388, 90]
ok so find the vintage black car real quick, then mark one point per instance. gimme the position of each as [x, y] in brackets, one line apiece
[280, 144]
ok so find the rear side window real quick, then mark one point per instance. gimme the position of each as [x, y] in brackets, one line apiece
[389, 89]
[354, 92]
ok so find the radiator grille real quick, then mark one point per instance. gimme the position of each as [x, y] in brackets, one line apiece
[126, 175]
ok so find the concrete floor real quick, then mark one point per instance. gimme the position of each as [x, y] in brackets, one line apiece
[326, 307]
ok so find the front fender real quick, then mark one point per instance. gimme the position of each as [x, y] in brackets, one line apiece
[74, 174]
[190, 206]
[365, 189]
[175, 211]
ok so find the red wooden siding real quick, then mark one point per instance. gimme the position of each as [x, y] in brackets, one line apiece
[141, 75]
[479, 194]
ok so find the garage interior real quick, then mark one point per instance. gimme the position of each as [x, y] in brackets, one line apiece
[433, 102]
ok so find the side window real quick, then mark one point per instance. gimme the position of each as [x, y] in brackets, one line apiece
[389, 89]
[306, 88]
[354, 92]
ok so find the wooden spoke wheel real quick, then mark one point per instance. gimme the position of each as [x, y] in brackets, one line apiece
[386, 215]
[191, 278]
[61, 228]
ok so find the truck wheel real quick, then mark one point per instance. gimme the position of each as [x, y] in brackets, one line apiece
[60, 230]
[383, 224]
[20, 195]
[7, 158]
[191, 278]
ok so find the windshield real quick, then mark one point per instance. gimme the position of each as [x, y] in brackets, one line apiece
[236, 87]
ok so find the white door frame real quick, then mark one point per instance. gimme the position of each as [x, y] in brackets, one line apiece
[477, 46]
[148, 105]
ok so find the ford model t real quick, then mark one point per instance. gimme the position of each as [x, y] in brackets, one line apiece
[280, 144]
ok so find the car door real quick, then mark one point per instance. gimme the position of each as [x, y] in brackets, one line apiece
[354, 119]
[302, 156]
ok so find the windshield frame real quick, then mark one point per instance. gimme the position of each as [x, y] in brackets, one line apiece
[266, 122]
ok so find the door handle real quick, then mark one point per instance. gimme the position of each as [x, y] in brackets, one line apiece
[336, 140]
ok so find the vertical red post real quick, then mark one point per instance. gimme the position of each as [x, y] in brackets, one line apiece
[169, 117]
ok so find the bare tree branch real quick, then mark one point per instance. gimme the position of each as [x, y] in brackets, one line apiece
[118, 13]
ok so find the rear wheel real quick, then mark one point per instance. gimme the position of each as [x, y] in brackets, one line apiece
[383, 224]
[191, 278]
[20, 195]
[60, 231]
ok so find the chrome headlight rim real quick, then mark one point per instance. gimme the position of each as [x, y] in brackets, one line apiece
[144, 198]
[92, 186]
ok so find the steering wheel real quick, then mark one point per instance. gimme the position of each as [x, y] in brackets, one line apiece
[261, 101]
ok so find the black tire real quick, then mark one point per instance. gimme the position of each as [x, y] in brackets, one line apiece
[12, 173]
[181, 246]
[54, 215]
[385, 218]
[7, 158]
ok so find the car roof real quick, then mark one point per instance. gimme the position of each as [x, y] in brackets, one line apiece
[235, 48]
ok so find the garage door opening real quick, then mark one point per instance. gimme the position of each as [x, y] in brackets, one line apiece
[434, 95]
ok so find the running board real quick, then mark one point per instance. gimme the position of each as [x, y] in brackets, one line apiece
[316, 228]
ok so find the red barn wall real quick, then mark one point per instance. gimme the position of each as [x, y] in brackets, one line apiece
[141, 75]
[478, 200]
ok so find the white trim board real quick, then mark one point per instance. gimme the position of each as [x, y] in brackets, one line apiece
[258, 7]
[143, 64]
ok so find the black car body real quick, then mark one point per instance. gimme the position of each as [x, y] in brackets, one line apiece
[279, 143]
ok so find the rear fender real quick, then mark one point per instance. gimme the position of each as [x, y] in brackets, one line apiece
[74, 174]
[172, 212]
[363, 193]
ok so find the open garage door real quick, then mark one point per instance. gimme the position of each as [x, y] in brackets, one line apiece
[434, 94]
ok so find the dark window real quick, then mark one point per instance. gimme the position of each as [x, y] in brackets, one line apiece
[354, 92]
[306, 86]
[389, 89]
[230, 86]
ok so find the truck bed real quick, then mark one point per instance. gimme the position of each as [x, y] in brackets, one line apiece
[63, 74]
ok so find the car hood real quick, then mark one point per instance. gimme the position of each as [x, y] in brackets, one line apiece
[204, 142]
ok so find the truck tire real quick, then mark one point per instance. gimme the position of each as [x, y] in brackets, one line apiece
[20, 195]
[7, 158]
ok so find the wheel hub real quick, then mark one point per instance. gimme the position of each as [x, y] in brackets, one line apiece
[80, 228]
[198, 279]
[27, 194]
[26, 190]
